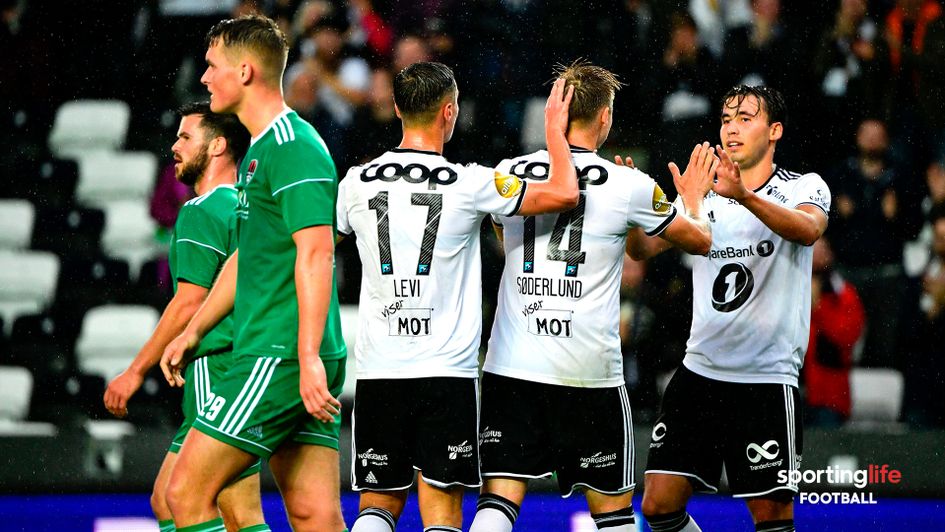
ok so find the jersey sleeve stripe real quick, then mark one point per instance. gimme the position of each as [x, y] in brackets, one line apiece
[182, 240]
[288, 127]
[285, 133]
[290, 185]
[812, 203]
[521, 198]
[662, 227]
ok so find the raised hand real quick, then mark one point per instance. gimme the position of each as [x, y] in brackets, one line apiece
[621, 162]
[729, 183]
[696, 181]
[556, 109]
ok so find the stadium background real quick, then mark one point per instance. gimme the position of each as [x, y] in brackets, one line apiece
[87, 203]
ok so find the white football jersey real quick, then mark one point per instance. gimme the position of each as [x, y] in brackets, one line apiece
[751, 293]
[417, 218]
[558, 317]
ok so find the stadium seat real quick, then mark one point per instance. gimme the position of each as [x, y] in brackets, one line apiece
[111, 337]
[47, 182]
[16, 389]
[69, 232]
[106, 177]
[349, 329]
[82, 126]
[16, 223]
[876, 394]
[533, 125]
[89, 282]
[40, 344]
[27, 283]
[130, 234]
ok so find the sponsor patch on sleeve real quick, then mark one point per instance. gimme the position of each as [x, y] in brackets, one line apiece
[508, 186]
[660, 203]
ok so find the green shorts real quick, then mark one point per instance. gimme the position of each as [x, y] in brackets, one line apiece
[256, 406]
[200, 375]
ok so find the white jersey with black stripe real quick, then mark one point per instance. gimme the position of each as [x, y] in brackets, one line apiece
[417, 218]
[751, 292]
[558, 313]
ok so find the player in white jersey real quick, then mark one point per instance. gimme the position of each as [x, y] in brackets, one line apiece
[734, 400]
[417, 218]
[555, 346]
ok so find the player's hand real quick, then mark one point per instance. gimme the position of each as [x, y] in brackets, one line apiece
[696, 181]
[120, 390]
[621, 162]
[729, 182]
[175, 357]
[313, 387]
[556, 109]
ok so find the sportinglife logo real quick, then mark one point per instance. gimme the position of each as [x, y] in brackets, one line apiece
[858, 478]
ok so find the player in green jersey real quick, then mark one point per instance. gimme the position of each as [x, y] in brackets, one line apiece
[207, 152]
[278, 401]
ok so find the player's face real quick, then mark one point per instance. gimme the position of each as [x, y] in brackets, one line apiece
[745, 133]
[190, 151]
[222, 79]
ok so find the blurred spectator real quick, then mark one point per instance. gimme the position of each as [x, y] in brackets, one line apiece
[376, 128]
[369, 29]
[715, 18]
[918, 252]
[925, 372]
[868, 228]
[762, 52]
[836, 324]
[637, 328]
[409, 50]
[851, 67]
[915, 35]
[688, 86]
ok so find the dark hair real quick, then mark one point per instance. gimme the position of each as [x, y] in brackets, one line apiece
[419, 89]
[220, 125]
[769, 99]
[257, 34]
[594, 88]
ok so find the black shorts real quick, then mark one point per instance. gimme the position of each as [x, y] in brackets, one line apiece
[401, 425]
[753, 429]
[531, 430]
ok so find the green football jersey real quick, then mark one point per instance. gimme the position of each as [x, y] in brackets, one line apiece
[204, 237]
[287, 182]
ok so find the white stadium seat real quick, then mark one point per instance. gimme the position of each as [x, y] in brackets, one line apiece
[111, 337]
[84, 126]
[16, 389]
[105, 177]
[533, 125]
[129, 234]
[876, 394]
[27, 283]
[16, 223]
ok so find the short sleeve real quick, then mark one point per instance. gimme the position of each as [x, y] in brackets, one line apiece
[496, 192]
[201, 242]
[812, 190]
[649, 208]
[304, 184]
[341, 209]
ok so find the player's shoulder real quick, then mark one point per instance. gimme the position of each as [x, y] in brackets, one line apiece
[217, 204]
[529, 165]
[292, 136]
[785, 175]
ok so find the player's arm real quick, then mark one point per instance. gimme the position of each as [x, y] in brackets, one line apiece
[560, 192]
[177, 314]
[803, 224]
[217, 305]
[690, 232]
[313, 273]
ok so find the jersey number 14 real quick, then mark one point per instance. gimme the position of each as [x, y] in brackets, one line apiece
[572, 221]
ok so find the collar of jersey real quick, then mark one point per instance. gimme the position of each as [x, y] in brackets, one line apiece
[411, 150]
[214, 189]
[578, 149]
[774, 170]
[285, 111]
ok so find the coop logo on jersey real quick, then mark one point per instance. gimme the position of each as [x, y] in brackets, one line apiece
[411, 173]
[251, 170]
[463, 450]
[508, 186]
[660, 203]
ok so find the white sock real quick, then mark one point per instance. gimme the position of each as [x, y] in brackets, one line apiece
[374, 520]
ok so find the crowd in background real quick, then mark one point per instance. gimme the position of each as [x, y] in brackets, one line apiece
[864, 83]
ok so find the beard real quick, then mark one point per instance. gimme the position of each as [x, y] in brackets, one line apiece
[191, 171]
